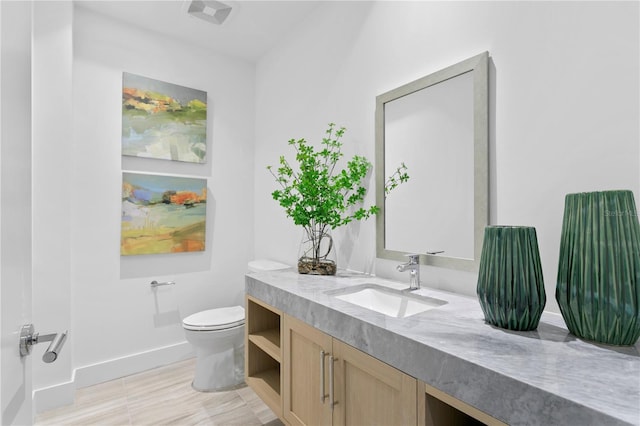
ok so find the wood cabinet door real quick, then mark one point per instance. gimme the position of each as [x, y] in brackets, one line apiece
[370, 392]
[303, 381]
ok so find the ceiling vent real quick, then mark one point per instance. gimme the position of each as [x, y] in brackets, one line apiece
[210, 10]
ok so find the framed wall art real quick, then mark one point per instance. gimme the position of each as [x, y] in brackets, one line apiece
[162, 214]
[163, 120]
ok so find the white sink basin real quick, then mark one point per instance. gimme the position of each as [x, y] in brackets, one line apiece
[387, 301]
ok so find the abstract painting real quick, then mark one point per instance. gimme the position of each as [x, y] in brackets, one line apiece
[163, 120]
[162, 214]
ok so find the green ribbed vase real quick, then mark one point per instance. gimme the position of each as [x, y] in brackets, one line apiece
[598, 287]
[510, 283]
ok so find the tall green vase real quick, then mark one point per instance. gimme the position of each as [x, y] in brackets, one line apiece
[598, 288]
[510, 283]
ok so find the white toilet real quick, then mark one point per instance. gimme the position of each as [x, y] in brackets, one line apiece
[218, 338]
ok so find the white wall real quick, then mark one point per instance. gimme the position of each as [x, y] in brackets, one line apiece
[564, 107]
[118, 324]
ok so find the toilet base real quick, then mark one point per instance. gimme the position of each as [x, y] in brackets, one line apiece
[219, 371]
[230, 388]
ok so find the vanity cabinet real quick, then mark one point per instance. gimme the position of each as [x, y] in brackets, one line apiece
[329, 382]
[308, 377]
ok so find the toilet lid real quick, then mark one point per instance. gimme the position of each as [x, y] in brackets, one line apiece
[215, 319]
[266, 265]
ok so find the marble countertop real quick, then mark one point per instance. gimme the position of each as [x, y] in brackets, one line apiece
[542, 377]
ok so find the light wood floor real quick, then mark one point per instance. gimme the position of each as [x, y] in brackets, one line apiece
[160, 396]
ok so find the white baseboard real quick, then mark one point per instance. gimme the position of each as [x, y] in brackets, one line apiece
[55, 396]
[64, 394]
[131, 364]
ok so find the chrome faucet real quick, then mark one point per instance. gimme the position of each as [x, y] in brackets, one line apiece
[413, 266]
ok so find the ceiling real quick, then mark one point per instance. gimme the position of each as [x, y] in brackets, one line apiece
[251, 29]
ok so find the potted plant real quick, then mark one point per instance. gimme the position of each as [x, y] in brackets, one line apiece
[320, 197]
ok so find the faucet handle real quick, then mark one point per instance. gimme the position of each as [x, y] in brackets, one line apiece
[413, 258]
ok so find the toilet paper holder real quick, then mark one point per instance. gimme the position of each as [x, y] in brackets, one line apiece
[28, 338]
[155, 283]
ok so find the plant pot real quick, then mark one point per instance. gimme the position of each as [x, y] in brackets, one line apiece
[598, 287]
[317, 254]
[510, 283]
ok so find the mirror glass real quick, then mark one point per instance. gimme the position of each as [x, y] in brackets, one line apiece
[437, 126]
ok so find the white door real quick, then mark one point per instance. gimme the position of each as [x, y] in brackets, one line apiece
[15, 209]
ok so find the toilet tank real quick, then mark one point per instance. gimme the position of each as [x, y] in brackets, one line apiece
[261, 265]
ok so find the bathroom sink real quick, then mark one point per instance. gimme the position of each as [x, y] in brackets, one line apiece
[387, 301]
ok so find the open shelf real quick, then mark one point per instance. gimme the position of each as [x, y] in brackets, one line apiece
[264, 353]
[443, 409]
[268, 383]
[263, 325]
[268, 341]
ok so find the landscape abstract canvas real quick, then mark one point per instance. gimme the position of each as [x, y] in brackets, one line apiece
[162, 214]
[163, 120]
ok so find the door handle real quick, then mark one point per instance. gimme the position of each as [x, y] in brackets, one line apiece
[28, 338]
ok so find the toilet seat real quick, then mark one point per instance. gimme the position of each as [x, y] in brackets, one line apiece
[215, 319]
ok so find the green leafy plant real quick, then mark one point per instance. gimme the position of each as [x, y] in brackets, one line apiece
[399, 176]
[320, 197]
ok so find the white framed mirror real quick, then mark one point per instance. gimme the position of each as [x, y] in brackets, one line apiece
[438, 126]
